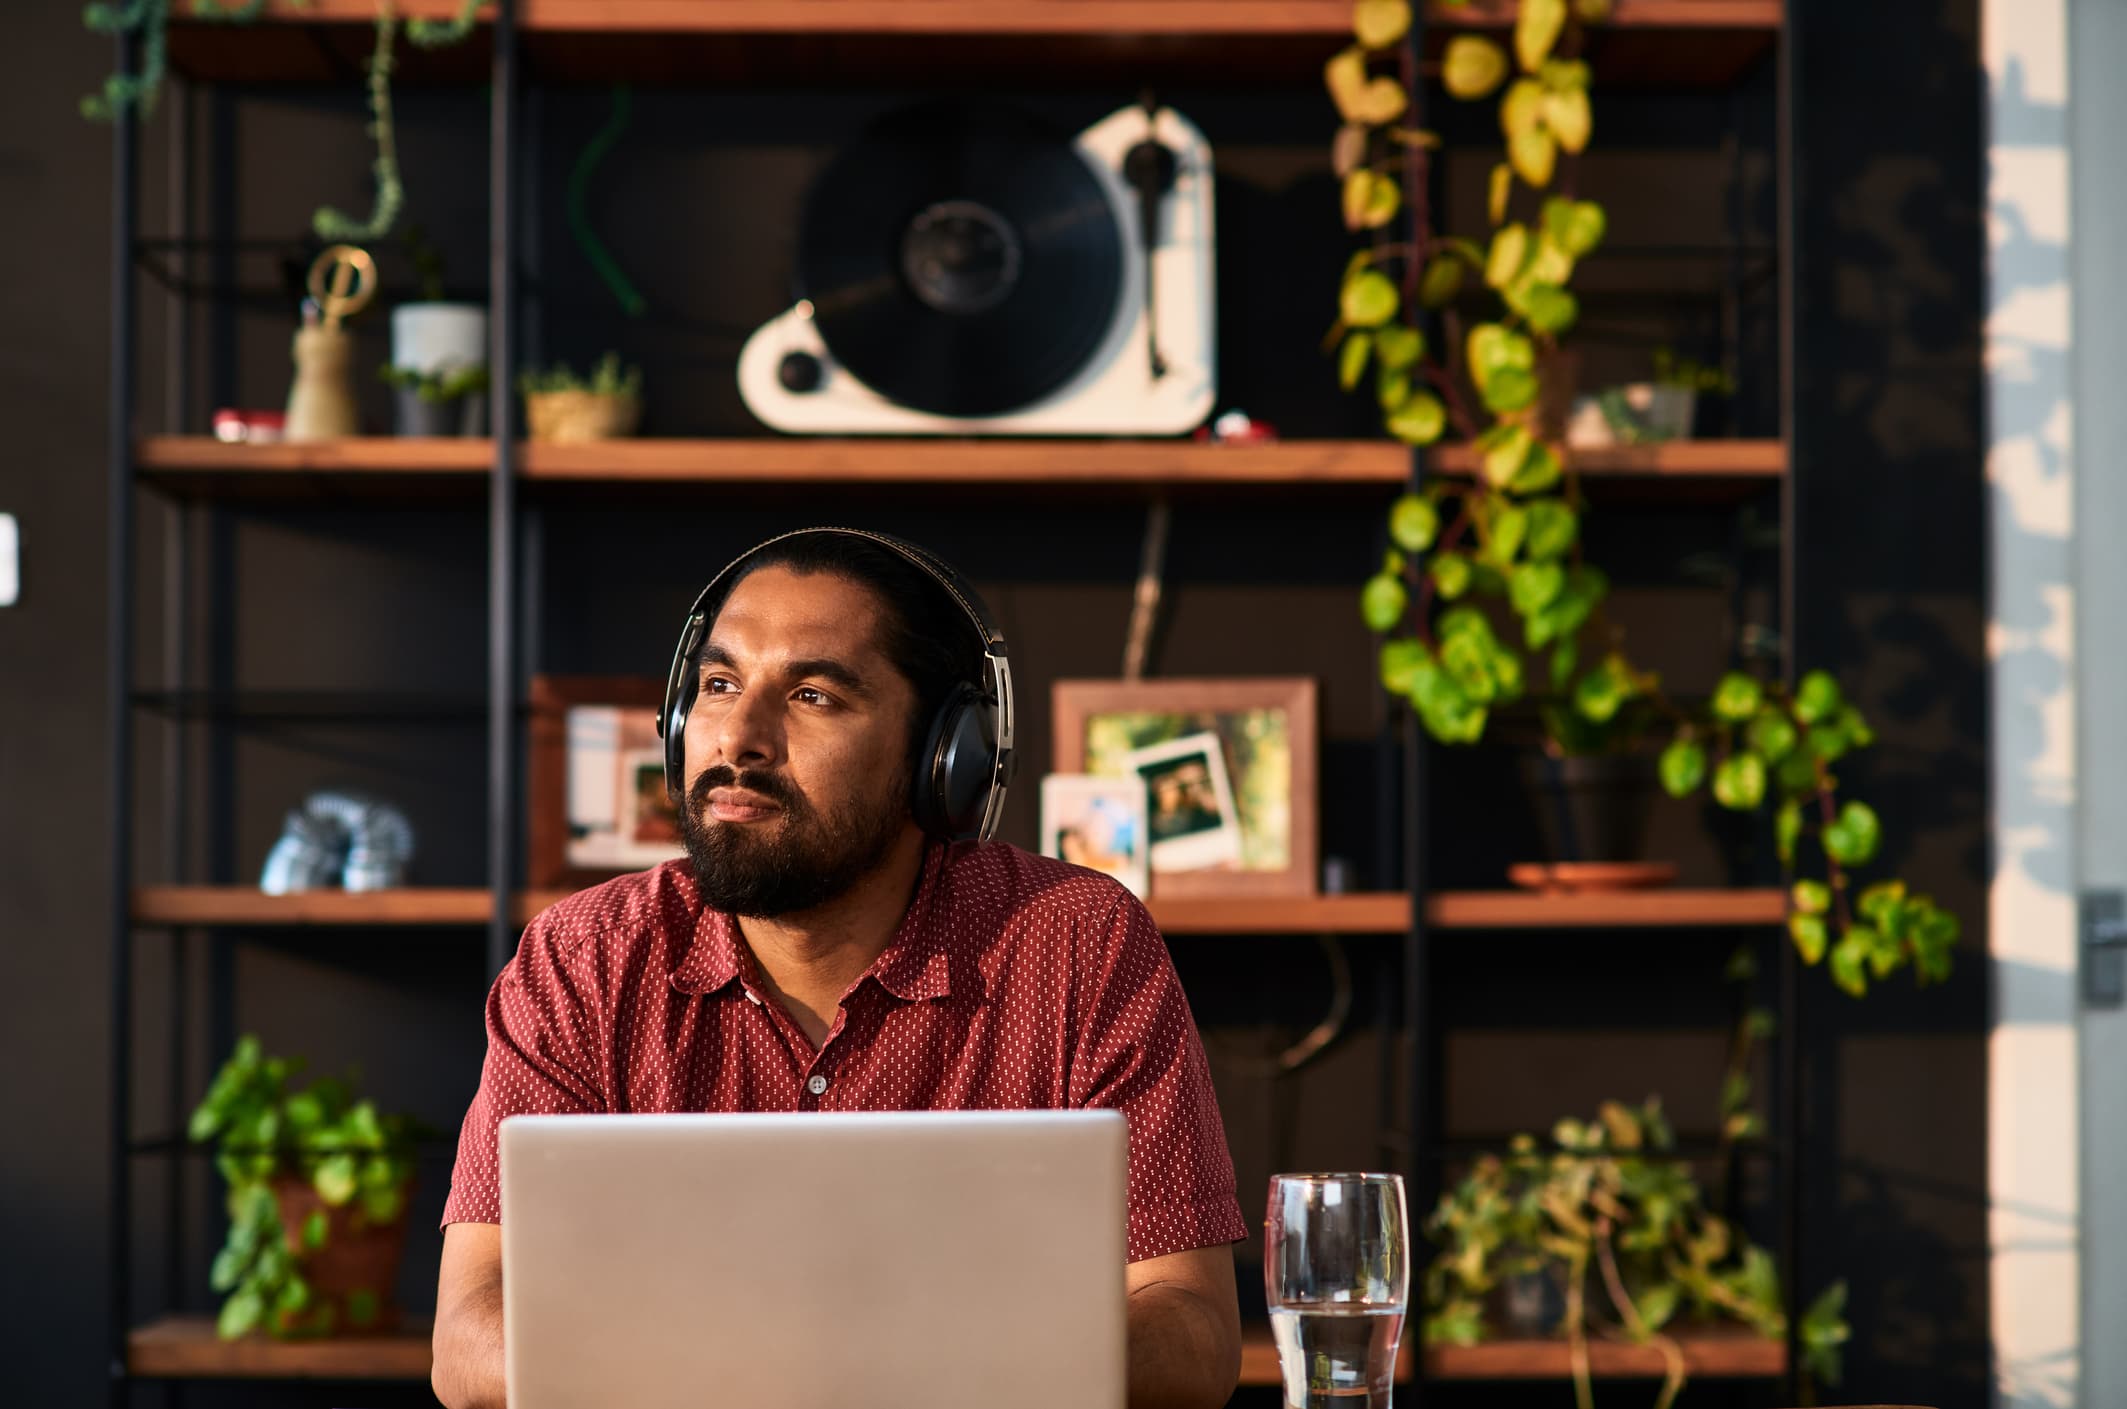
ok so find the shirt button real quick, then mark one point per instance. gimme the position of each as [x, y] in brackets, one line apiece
[816, 1085]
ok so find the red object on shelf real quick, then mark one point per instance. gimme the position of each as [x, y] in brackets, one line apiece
[250, 427]
[1236, 428]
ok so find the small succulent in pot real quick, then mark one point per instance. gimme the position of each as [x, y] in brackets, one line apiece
[563, 407]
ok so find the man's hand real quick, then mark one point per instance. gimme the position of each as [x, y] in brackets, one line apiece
[468, 1343]
[1185, 1330]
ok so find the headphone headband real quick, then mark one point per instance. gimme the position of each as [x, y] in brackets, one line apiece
[955, 761]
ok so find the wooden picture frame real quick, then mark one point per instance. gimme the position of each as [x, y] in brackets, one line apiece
[551, 697]
[1200, 704]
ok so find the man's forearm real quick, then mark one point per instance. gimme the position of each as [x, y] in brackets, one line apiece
[468, 1351]
[1184, 1353]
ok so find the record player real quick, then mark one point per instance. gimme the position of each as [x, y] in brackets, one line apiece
[962, 270]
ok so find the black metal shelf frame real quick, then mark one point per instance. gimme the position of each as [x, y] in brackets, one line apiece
[1410, 1042]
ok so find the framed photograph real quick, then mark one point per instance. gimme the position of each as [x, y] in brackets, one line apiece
[1098, 823]
[1229, 771]
[595, 784]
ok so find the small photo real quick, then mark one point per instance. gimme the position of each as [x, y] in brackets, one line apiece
[654, 818]
[619, 816]
[1097, 823]
[1190, 811]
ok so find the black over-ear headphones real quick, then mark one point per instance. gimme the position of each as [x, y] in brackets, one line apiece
[966, 760]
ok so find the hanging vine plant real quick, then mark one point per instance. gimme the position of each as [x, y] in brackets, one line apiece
[1512, 533]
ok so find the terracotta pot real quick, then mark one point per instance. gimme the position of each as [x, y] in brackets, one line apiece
[576, 416]
[357, 1256]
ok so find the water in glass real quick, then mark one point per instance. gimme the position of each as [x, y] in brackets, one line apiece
[1337, 1356]
[1336, 1278]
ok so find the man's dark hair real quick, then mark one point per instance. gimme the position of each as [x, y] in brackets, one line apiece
[929, 639]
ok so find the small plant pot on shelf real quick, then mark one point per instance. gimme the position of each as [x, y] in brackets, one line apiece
[566, 417]
[350, 1263]
[1594, 812]
[415, 414]
[1638, 413]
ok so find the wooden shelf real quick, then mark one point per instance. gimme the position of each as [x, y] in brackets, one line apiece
[197, 465]
[1259, 1356]
[185, 1347]
[1716, 1353]
[931, 43]
[1383, 913]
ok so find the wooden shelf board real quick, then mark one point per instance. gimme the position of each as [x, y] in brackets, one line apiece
[1714, 1353]
[185, 1347]
[248, 906]
[1382, 913]
[196, 464]
[1041, 17]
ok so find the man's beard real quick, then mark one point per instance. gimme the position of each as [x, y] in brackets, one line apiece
[797, 862]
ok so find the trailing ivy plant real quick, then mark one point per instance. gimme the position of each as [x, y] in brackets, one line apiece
[1622, 1230]
[356, 1159]
[149, 19]
[1512, 534]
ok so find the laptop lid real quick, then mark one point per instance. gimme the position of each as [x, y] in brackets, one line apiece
[815, 1261]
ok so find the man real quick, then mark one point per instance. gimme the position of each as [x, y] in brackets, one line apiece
[819, 951]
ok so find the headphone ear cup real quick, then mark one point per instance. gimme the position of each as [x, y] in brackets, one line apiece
[951, 789]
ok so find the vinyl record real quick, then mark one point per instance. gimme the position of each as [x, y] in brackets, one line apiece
[960, 259]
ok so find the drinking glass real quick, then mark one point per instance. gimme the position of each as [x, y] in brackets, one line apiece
[1336, 1277]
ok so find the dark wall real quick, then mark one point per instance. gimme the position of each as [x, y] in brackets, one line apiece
[349, 597]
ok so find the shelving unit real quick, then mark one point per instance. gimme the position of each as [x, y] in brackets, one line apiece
[1648, 44]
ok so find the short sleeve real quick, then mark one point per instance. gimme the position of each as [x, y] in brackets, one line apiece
[1137, 1051]
[542, 1044]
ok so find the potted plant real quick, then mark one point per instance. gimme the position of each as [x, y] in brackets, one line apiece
[559, 406]
[318, 1189]
[1645, 413]
[438, 368]
[1594, 787]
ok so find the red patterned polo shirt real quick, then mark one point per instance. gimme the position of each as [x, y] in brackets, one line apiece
[1014, 982]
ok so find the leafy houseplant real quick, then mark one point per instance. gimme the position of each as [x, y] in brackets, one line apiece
[318, 1186]
[1511, 536]
[451, 401]
[561, 406]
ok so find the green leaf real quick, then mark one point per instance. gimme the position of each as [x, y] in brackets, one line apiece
[1441, 281]
[1550, 309]
[1380, 23]
[1569, 118]
[1538, 472]
[1351, 359]
[1509, 527]
[1381, 604]
[1501, 186]
[1761, 1023]
[382, 1205]
[1392, 388]
[1600, 694]
[1399, 345]
[1564, 75]
[1817, 698]
[1787, 829]
[1823, 1331]
[240, 1315]
[1811, 897]
[1737, 697]
[1683, 767]
[1827, 741]
[1399, 664]
[1810, 934]
[1536, 30]
[1852, 838]
[1533, 155]
[1881, 902]
[1492, 348]
[314, 1228]
[1564, 656]
[1510, 390]
[1451, 574]
[1348, 149]
[1739, 782]
[1419, 420]
[335, 1179]
[1510, 251]
[293, 1297]
[1369, 102]
[1413, 523]
[1521, 110]
[227, 1271]
[1369, 299]
[1371, 199]
[362, 1307]
[1576, 227]
[1658, 1304]
[1849, 964]
[1505, 449]
[1552, 528]
[1472, 66]
[1772, 734]
[1533, 586]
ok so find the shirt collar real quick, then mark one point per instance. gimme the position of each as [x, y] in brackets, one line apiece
[915, 966]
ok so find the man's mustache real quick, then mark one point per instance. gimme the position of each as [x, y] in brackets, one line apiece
[773, 786]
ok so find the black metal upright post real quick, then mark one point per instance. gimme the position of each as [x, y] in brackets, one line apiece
[502, 495]
[1793, 1108]
[118, 667]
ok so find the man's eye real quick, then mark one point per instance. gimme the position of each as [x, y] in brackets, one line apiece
[811, 696]
[718, 685]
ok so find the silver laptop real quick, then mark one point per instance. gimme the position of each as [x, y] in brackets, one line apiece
[815, 1261]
